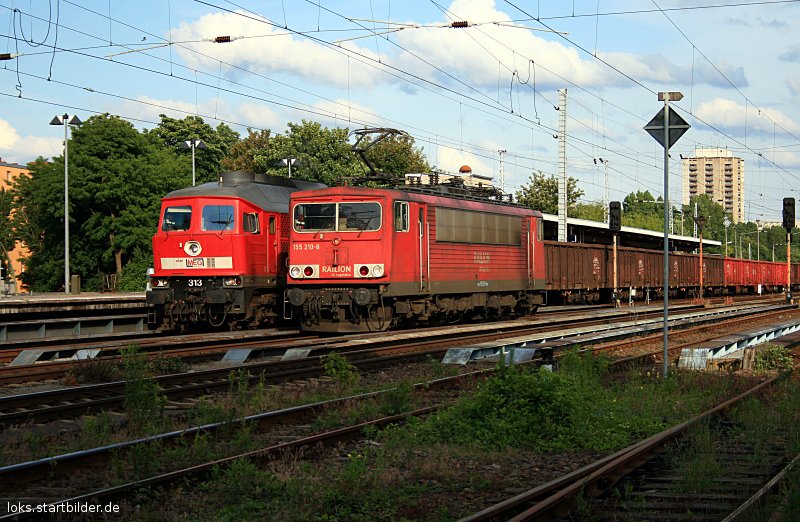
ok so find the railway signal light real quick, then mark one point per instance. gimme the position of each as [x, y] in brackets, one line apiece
[3, 270]
[788, 214]
[614, 216]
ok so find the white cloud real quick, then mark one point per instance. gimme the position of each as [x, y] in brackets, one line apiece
[268, 50]
[451, 159]
[473, 54]
[22, 149]
[470, 54]
[255, 115]
[731, 116]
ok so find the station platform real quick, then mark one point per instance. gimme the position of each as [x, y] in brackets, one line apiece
[60, 302]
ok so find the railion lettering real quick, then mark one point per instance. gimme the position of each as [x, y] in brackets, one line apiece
[341, 269]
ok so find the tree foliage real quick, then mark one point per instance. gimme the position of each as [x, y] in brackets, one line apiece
[242, 154]
[321, 154]
[326, 155]
[590, 211]
[117, 177]
[396, 155]
[541, 193]
[173, 133]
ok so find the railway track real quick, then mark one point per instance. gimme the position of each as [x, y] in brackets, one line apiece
[62, 472]
[77, 466]
[72, 402]
[652, 487]
[275, 342]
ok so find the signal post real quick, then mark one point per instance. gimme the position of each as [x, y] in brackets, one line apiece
[788, 224]
[615, 224]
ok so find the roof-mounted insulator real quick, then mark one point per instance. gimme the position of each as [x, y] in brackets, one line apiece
[222, 39]
[459, 25]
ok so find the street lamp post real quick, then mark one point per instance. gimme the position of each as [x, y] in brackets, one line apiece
[66, 122]
[759, 226]
[288, 162]
[193, 144]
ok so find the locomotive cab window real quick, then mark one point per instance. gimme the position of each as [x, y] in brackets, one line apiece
[341, 217]
[358, 217]
[177, 218]
[250, 223]
[315, 217]
[217, 218]
[400, 216]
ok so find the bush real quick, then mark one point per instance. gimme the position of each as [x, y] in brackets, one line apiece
[134, 274]
[542, 410]
[773, 357]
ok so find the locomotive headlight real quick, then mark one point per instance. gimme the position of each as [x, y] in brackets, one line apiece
[232, 281]
[377, 270]
[296, 272]
[308, 271]
[363, 270]
[159, 282]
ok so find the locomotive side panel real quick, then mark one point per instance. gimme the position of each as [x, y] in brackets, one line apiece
[473, 251]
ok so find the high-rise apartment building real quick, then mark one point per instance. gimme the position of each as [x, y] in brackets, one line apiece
[717, 174]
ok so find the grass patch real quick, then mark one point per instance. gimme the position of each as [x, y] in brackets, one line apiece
[572, 409]
[444, 466]
[144, 405]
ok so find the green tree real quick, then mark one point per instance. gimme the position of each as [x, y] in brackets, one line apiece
[117, 179]
[322, 154]
[174, 133]
[397, 155]
[541, 193]
[641, 210]
[590, 211]
[39, 223]
[241, 155]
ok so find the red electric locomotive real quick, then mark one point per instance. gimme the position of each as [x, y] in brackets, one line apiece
[366, 259]
[220, 253]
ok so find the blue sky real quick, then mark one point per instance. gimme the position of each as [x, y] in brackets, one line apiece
[463, 93]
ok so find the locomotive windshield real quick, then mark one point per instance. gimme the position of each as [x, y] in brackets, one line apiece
[177, 218]
[217, 217]
[340, 217]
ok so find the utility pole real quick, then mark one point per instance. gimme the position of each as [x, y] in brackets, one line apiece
[562, 165]
[502, 177]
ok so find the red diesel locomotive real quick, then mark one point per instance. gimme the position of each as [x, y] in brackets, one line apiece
[366, 259]
[220, 253]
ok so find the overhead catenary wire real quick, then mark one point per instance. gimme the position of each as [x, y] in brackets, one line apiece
[217, 80]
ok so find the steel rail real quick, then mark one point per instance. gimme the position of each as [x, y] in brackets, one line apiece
[86, 399]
